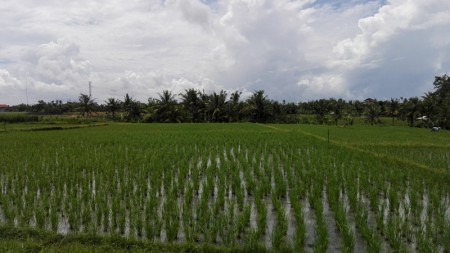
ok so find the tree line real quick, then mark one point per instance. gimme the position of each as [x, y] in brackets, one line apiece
[431, 109]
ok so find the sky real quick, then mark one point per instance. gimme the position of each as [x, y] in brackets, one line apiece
[294, 50]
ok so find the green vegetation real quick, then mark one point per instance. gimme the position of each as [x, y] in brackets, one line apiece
[17, 117]
[195, 106]
[225, 187]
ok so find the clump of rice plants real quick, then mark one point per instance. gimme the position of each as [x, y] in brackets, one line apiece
[245, 186]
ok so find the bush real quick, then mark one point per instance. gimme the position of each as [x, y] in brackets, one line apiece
[17, 117]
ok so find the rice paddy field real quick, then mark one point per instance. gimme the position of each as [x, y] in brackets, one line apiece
[225, 188]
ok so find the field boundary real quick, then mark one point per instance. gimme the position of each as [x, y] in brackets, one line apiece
[381, 156]
[38, 241]
[372, 153]
[52, 128]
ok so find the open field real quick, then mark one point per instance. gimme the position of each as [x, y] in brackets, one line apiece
[226, 187]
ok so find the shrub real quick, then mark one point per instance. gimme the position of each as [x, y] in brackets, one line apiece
[18, 117]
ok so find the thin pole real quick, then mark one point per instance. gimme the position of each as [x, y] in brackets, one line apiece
[328, 135]
[26, 88]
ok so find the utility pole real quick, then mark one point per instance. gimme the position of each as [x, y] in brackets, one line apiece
[90, 89]
[26, 88]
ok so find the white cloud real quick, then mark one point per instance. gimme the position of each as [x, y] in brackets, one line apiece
[58, 63]
[396, 52]
[301, 49]
[8, 81]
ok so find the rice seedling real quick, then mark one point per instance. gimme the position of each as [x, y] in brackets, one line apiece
[243, 185]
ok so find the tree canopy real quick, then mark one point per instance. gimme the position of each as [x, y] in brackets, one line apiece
[431, 109]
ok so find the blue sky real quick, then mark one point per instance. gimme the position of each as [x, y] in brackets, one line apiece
[295, 50]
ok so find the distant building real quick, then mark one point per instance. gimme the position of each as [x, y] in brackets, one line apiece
[369, 101]
[3, 107]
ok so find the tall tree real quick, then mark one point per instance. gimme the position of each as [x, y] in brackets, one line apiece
[216, 107]
[428, 108]
[132, 109]
[320, 107]
[203, 110]
[191, 103]
[112, 107]
[86, 104]
[394, 109]
[337, 107]
[279, 111]
[442, 95]
[167, 110]
[259, 107]
[372, 113]
[235, 107]
[412, 110]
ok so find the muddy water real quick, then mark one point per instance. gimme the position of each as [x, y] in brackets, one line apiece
[310, 224]
[269, 225]
[334, 239]
[359, 245]
[290, 221]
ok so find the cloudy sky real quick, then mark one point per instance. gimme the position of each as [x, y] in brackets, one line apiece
[297, 50]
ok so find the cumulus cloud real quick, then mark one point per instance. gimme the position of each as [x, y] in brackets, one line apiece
[11, 88]
[8, 82]
[58, 63]
[294, 50]
[394, 53]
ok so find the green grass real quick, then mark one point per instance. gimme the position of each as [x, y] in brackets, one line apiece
[29, 240]
[12, 117]
[414, 145]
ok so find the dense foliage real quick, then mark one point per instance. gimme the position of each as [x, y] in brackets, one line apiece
[433, 109]
[17, 117]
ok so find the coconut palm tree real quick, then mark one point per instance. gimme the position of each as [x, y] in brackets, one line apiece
[428, 108]
[190, 101]
[412, 110]
[217, 106]
[372, 113]
[394, 109]
[442, 95]
[167, 109]
[132, 108]
[86, 104]
[234, 107]
[320, 108]
[112, 106]
[337, 106]
[259, 107]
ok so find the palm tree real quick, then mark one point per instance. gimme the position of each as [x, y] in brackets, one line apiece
[279, 111]
[203, 110]
[394, 109]
[234, 107]
[134, 111]
[112, 106]
[336, 109]
[321, 107]
[86, 104]
[442, 95]
[259, 107]
[191, 103]
[216, 106]
[167, 109]
[428, 107]
[132, 108]
[412, 109]
[372, 113]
